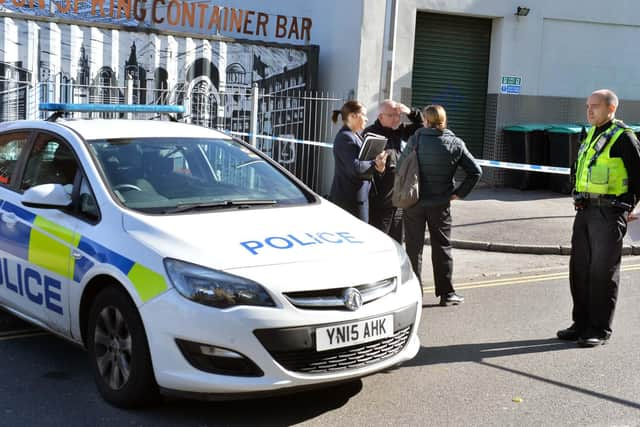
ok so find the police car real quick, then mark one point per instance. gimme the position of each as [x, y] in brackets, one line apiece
[189, 263]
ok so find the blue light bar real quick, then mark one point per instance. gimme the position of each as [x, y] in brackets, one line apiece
[111, 108]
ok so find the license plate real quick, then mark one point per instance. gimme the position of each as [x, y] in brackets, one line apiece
[348, 334]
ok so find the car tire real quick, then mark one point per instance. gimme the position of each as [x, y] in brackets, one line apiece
[118, 351]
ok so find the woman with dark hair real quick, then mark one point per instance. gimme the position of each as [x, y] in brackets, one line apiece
[440, 153]
[352, 176]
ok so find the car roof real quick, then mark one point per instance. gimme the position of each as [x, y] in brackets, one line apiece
[118, 129]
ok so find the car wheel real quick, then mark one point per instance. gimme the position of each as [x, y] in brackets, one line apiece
[118, 351]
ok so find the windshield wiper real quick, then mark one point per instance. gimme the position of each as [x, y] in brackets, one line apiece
[186, 207]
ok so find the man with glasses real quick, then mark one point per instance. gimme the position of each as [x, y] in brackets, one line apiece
[382, 214]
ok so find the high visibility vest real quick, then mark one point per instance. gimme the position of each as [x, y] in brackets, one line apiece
[607, 175]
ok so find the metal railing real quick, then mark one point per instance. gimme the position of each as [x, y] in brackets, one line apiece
[291, 126]
[14, 99]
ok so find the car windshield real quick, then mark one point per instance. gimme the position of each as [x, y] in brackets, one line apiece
[171, 175]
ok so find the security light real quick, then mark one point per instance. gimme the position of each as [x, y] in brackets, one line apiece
[522, 11]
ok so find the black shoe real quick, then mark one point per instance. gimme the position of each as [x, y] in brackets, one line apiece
[593, 340]
[451, 298]
[572, 333]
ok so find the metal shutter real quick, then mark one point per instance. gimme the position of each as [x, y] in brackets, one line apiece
[450, 67]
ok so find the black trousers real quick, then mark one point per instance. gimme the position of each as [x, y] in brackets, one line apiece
[388, 219]
[594, 267]
[438, 219]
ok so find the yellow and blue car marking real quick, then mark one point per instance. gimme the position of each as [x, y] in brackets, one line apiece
[49, 246]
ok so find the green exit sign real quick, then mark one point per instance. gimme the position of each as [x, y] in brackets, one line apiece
[512, 80]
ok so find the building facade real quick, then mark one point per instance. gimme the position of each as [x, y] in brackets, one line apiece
[490, 63]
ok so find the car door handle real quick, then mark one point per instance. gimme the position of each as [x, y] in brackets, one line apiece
[76, 254]
[9, 218]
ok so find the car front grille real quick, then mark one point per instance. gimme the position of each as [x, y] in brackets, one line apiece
[314, 362]
[295, 348]
[334, 299]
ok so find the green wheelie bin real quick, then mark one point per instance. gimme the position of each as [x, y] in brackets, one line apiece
[528, 144]
[564, 143]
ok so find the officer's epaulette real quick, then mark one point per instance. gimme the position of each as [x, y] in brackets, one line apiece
[621, 124]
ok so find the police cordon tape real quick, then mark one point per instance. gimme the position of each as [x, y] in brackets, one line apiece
[524, 167]
[489, 163]
[279, 138]
[463, 244]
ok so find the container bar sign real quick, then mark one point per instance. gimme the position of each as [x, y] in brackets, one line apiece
[511, 85]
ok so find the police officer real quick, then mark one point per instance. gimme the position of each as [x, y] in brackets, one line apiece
[607, 187]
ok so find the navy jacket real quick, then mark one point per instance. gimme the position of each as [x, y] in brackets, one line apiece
[351, 179]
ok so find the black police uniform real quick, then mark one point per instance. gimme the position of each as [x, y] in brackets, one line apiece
[596, 249]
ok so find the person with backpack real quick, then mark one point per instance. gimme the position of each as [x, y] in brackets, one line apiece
[439, 154]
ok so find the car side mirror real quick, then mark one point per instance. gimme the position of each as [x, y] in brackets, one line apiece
[48, 196]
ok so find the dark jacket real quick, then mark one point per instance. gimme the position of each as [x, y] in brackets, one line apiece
[440, 153]
[351, 184]
[380, 195]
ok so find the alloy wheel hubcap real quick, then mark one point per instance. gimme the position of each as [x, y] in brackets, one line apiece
[112, 345]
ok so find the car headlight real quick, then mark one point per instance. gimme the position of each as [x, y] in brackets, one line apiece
[406, 270]
[215, 288]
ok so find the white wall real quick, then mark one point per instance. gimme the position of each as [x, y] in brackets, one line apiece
[596, 56]
[338, 31]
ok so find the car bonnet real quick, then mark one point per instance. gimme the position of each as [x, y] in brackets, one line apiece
[259, 236]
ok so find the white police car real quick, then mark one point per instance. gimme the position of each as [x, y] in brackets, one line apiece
[187, 262]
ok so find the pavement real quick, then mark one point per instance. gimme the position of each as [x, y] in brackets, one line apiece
[501, 219]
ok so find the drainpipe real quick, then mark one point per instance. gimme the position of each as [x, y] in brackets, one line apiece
[388, 57]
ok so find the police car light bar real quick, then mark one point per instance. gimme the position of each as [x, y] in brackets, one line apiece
[111, 108]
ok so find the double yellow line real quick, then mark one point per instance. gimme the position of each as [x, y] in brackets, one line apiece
[525, 279]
